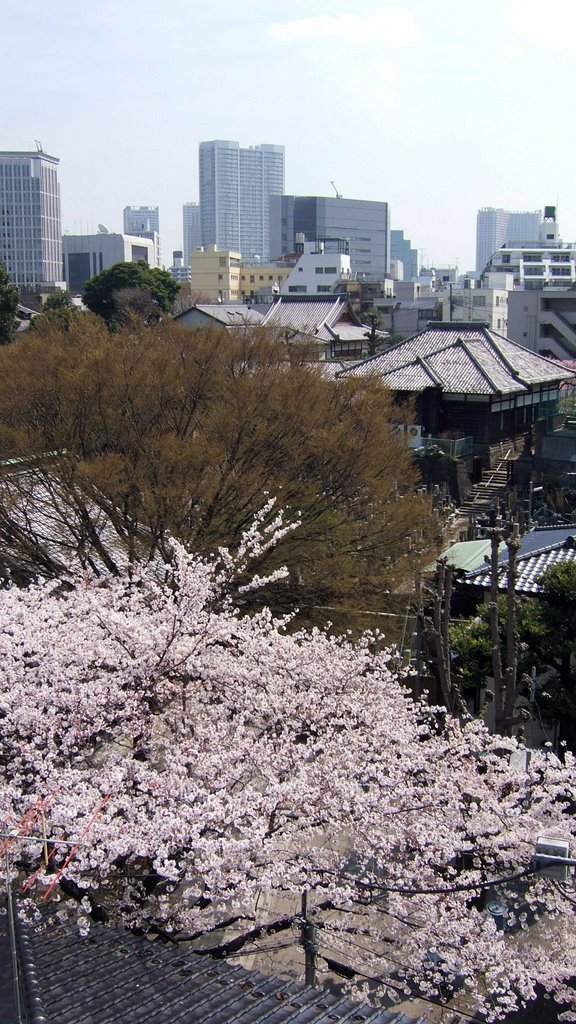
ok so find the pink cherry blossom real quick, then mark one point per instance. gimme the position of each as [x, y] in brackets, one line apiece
[217, 764]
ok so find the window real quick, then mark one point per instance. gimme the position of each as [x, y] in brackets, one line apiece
[319, 270]
[300, 288]
[323, 288]
[330, 270]
[221, 261]
[478, 300]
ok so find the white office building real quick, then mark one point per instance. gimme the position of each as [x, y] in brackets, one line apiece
[322, 266]
[144, 221]
[86, 255]
[235, 188]
[30, 220]
[496, 227]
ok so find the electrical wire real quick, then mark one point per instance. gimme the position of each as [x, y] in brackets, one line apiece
[397, 987]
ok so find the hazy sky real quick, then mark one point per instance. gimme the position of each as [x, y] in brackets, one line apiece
[437, 106]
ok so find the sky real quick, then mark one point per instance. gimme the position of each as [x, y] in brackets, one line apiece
[438, 108]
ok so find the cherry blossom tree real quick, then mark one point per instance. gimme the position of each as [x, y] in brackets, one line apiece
[213, 765]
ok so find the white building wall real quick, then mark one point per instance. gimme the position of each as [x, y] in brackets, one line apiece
[85, 256]
[317, 272]
[475, 305]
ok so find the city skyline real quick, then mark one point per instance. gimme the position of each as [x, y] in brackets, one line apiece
[434, 109]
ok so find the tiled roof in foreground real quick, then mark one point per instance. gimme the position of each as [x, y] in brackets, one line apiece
[461, 359]
[114, 977]
[542, 551]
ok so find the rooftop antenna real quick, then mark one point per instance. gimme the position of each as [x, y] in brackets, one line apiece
[338, 194]
[38, 145]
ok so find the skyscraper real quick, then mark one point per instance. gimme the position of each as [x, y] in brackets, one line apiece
[363, 223]
[30, 221]
[494, 227]
[191, 230]
[401, 249]
[144, 221]
[235, 189]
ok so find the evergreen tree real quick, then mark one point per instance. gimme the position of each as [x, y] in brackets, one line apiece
[8, 307]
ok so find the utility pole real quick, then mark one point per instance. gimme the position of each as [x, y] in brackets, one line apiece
[308, 943]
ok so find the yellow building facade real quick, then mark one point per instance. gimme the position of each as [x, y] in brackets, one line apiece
[221, 276]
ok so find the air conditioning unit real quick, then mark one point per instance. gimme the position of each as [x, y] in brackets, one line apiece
[414, 435]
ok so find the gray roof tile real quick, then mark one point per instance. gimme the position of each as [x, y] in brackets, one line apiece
[542, 550]
[321, 318]
[461, 358]
[114, 977]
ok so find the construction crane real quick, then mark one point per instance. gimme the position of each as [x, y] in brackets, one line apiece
[338, 194]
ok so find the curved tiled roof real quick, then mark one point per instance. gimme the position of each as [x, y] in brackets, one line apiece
[321, 318]
[461, 359]
[113, 977]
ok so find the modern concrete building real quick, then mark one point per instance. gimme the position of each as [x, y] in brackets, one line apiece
[144, 221]
[191, 230]
[540, 263]
[223, 276]
[364, 224]
[86, 255]
[30, 220]
[235, 188]
[544, 320]
[260, 282]
[215, 274]
[322, 267]
[401, 249]
[495, 227]
[485, 304]
[179, 270]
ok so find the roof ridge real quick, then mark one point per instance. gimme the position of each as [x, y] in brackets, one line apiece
[35, 1003]
[505, 360]
[484, 373]
[423, 360]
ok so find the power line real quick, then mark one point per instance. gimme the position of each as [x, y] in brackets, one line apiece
[390, 984]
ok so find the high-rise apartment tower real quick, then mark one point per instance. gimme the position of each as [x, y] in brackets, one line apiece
[235, 189]
[30, 220]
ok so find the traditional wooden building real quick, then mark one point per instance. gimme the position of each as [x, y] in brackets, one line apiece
[469, 381]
